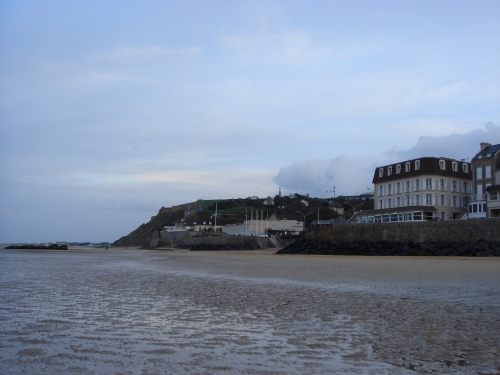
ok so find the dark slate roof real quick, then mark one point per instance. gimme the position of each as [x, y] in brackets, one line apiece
[493, 149]
[428, 165]
[493, 188]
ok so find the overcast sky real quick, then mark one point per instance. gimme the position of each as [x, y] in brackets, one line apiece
[110, 110]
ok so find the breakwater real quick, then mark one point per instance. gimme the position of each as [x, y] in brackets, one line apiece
[479, 248]
[38, 247]
[220, 241]
[453, 230]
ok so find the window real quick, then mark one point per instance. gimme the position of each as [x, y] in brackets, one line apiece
[408, 201]
[417, 165]
[417, 184]
[380, 204]
[487, 171]
[465, 168]
[442, 200]
[389, 203]
[454, 201]
[398, 188]
[398, 202]
[442, 165]
[381, 190]
[464, 187]
[417, 200]
[479, 173]
[428, 199]
[381, 172]
[428, 184]
[389, 171]
[463, 202]
[443, 216]
[454, 166]
[493, 196]
[408, 186]
[407, 167]
[398, 168]
[389, 189]
[442, 185]
[454, 186]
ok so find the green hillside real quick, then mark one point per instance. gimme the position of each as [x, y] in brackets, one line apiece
[141, 236]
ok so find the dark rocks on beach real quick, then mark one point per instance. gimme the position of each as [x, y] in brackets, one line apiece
[219, 247]
[479, 248]
[38, 247]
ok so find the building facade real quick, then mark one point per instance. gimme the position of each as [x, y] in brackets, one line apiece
[427, 188]
[485, 198]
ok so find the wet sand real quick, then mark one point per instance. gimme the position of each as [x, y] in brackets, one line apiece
[87, 311]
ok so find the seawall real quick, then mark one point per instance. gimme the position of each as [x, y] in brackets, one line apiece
[188, 239]
[453, 230]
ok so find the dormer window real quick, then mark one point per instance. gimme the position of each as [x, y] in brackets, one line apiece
[417, 165]
[442, 165]
[398, 168]
[465, 168]
[381, 172]
[454, 166]
[389, 171]
[407, 167]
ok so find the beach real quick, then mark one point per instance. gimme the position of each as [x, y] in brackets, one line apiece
[117, 311]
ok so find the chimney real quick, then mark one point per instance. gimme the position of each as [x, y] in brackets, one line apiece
[484, 145]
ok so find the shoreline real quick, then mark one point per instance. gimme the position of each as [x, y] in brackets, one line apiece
[251, 312]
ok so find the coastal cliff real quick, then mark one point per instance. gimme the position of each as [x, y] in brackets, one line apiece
[141, 236]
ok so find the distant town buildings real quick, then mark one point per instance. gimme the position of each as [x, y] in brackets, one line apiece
[427, 188]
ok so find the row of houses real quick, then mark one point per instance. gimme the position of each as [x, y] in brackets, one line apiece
[427, 188]
[432, 188]
[259, 223]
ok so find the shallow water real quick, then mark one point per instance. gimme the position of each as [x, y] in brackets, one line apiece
[150, 312]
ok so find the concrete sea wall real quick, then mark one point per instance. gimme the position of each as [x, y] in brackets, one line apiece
[453, 230]
[188, 239]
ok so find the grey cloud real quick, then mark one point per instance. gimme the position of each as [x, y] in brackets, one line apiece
[456, 146]
[317, 176]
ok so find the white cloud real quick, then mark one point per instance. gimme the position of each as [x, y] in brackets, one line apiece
[456, 145]
[318, 176]
[354, 177]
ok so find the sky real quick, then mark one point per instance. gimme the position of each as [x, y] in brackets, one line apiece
[111, 109]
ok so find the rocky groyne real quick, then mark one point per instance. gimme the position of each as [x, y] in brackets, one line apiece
[38, 247]
[480, 248]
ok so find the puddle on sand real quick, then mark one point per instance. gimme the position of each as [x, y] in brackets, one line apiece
[96, 319]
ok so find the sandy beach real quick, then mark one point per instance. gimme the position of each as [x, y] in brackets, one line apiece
[89, 311]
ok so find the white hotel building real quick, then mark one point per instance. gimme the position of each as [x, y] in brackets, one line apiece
[427, 188]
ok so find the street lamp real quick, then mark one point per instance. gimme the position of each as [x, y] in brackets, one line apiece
[304, 220]
[353, 210]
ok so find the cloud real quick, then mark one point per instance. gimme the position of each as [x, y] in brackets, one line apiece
[318, 176]
[456, 146]
[150, 52]
[294, 47]
[354, 177]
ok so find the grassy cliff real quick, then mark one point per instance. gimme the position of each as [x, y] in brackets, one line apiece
[141, 236]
